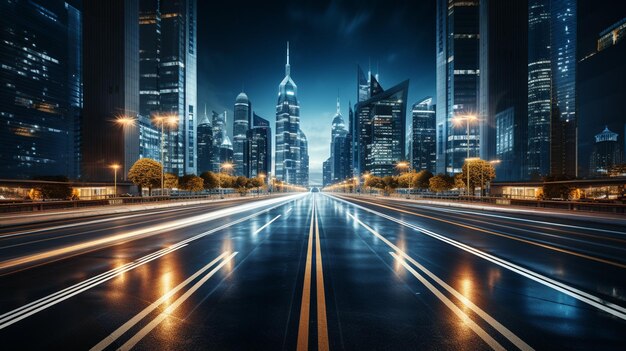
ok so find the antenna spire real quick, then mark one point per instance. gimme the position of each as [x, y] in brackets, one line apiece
[287, 67]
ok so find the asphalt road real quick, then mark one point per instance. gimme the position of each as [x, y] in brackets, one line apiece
[313, 271]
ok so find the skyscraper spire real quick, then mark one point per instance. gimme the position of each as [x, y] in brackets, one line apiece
[287, 67]
[338, 108]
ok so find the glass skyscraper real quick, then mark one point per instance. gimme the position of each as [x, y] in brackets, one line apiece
[423, 136]
[241, 121]
[288, 157]
[259, 148]
[41, 88]
[204, 138]
[457, 80]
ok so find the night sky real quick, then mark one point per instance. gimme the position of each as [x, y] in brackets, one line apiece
[242, 45]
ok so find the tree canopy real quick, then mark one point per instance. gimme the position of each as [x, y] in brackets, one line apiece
[440, 183]
[146, 173]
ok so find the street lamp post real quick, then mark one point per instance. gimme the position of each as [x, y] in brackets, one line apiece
[123, 121]
[366, 176]
[262, 176]
[407, 165]
[115, 168]
[467, 119]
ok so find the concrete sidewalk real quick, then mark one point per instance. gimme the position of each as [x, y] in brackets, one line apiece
[17, 218]
[597, 217]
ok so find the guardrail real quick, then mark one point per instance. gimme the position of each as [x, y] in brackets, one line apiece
[9, 206]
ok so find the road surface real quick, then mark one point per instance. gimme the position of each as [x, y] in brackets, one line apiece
[313, 271]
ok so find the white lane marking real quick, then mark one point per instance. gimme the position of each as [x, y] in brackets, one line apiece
[140, 233]
[462, 316]
[26, 311]
[289, 210]
[265, 225]
[523, 220]
[31, 308]
[170, 309]
[133, 321]
[464, 300]
[580, 295]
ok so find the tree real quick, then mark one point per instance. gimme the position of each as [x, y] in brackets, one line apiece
[255, 182]
[146, 173]
[191, 182]
[170, 181]
[210, 180]
[390, 184]
[480, 173]
[241, 185]
[459, 181]
[225, 180]
[440, 183]
[54, 187]
[554, 187]
[422, 179]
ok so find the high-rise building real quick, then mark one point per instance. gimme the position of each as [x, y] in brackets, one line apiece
[241, 123]
[564, 65]
[204, 138]
[303, 170]
[600, 81]
[168, 84]
[288, 156]
[503, 98]
[342, 158]
[41, 91]
[218, 125]
[539, 88]
[327, 173]
[149, 138]
[259, 148]
[379, 125]
[111, 87]
[225, 149]
[337, 136]
[424, 144]
[457, 77]
[607, 153]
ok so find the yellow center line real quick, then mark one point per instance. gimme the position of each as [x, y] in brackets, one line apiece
[549, 247]
[303, 329]
[322, 325]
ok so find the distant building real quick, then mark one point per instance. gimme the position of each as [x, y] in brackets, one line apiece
[337, 143]
[204, 138]
[220, 134]
[379, 126]
[259, 148]
[607, 152]
[342, 158]
[303, 170]
[168, 83]
[503, 99]
[457, 80]
[111, 87]
[226, 149]
[423, 144]
[327, 173]
[288, 157]
[241, 123]
[41, 89]
[601, 89]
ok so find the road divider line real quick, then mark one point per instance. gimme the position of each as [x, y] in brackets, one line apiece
[305, 305]
[490, 232]
[580, 295]
[20, 313]
[170, 309]
[322, 324]
[401, 256]
[266, 225]
[488, 339]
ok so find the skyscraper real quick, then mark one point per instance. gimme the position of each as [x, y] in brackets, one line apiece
[424, 137]
[606, 153]
[241, 121]
[303, 170]
[111, 88]
[168, 82]
[564, 64]
[379, 127]
[259, 148]
[338, 135]
[326, 173]
[288, 159]
[205, 144]
[41, 91]
[218, 125]
[503, 99]
[539, 88]
[457, 80]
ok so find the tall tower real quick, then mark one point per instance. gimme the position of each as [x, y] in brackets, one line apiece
[241, 122]
[287, 127]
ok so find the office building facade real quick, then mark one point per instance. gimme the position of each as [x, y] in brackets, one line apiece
[241, 123]
[259, 148]
[423, 146]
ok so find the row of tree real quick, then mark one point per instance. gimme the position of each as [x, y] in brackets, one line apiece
[146, 173]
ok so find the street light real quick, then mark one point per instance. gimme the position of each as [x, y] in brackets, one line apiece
[467, 118]
[493, 162]
[226, 165]
[407, 165]
[115, 167]
[262, 176]
[172, 121]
